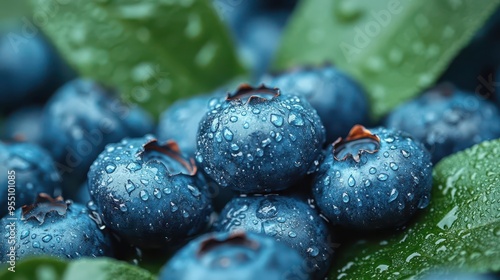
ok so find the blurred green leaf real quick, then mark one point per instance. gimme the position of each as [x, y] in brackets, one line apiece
[10, 10]
[393, 48]
[155, 51]
[48, 268]
[459, 230]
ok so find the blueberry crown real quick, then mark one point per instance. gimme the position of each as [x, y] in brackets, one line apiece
[43, 205]
[235, 238]
[359, 140]
[171, 150]
[253, 95]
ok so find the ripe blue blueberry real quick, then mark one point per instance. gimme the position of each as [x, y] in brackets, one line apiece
[147, 193]
[56, 228]
[259, 140]
[373, 179]
[447, 120]
[339, 100]
[81, 118]
[24, 125]
[287, 219]
[29, 170]
[181, 120]
[240, 255]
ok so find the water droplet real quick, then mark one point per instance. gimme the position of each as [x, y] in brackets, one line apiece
[167, 190]
[199, 158]
[277, 120]
[145, 182]
[144, 195]
[326, 181]
[295, 119]
[133, 166]
[382, 267]
[129, 187]
[411, 256]
[394, 194]
[373, 170]
[35, 244]
[389, 139]
[256, 111]
[194, 191]
[278, 137]
[265, 142]
[260, 152]
[246, 125]
[25, 234]
[386, 154]
[448, 220]
[157, 193]
[423, 202]
[47, 238]
[336, 210]
[406, 154]
[110, 168]
[281, 219]
[292, 137]
[228, 134]
[292, 234]
[394, 166]
[382, 176]
[123, 207]
[345, 197]
[234, 147]
[351, 181]
[214, 125]
[250, 157]
[173, 207]
[367, 183]
[313, 251]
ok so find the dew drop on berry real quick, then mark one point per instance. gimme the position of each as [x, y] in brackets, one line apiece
[234, 147]
[389, 139]
[35, 244]
[373, 170]
[228, 134]
[144, 195]
[423, 202]
[394, 194]
[382, 176]
[393, 166]
[167, 190]
[336, 210]
[351, 181]
[145, 182]
[129, 187]
[292, 234]
[194, 191]
[123, 207]
[25, 234]
[345, 197]
[173, 207]
[233, 118]
[406, 154]
[313, 251]
[133, 166]
[281, 219]
[326, 181]
[295, 119]
[157, 193]
[367, 183]
[265, 142]
[110, 168]
[277, 120]
[246, 125]
[260, 152]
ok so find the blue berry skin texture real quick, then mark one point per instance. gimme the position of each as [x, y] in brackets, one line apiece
[54, 227]
[339, 100]
[373, 179]
[259, 140]
[289, 220]
[24, 125]
[227, 256]
[447, 120]
[81, 118]
[149, 194]
[28, 168]
[181, 120]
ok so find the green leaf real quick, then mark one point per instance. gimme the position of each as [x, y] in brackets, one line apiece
[48, 268]
[154, 51]
[459, 230]
[104, 269]
[394, 48]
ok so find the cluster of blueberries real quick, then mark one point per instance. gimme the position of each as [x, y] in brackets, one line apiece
[257, 181]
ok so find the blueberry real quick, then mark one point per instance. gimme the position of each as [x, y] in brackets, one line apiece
[224, 256]
[373, 179]
[54, 227]
[447, 120]
[259, 140]
[339, 100]
[27, 168]
[147, 193]
[81, 118]
[180, 122]
[31, 69]
[287, 219]
[24, 125]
